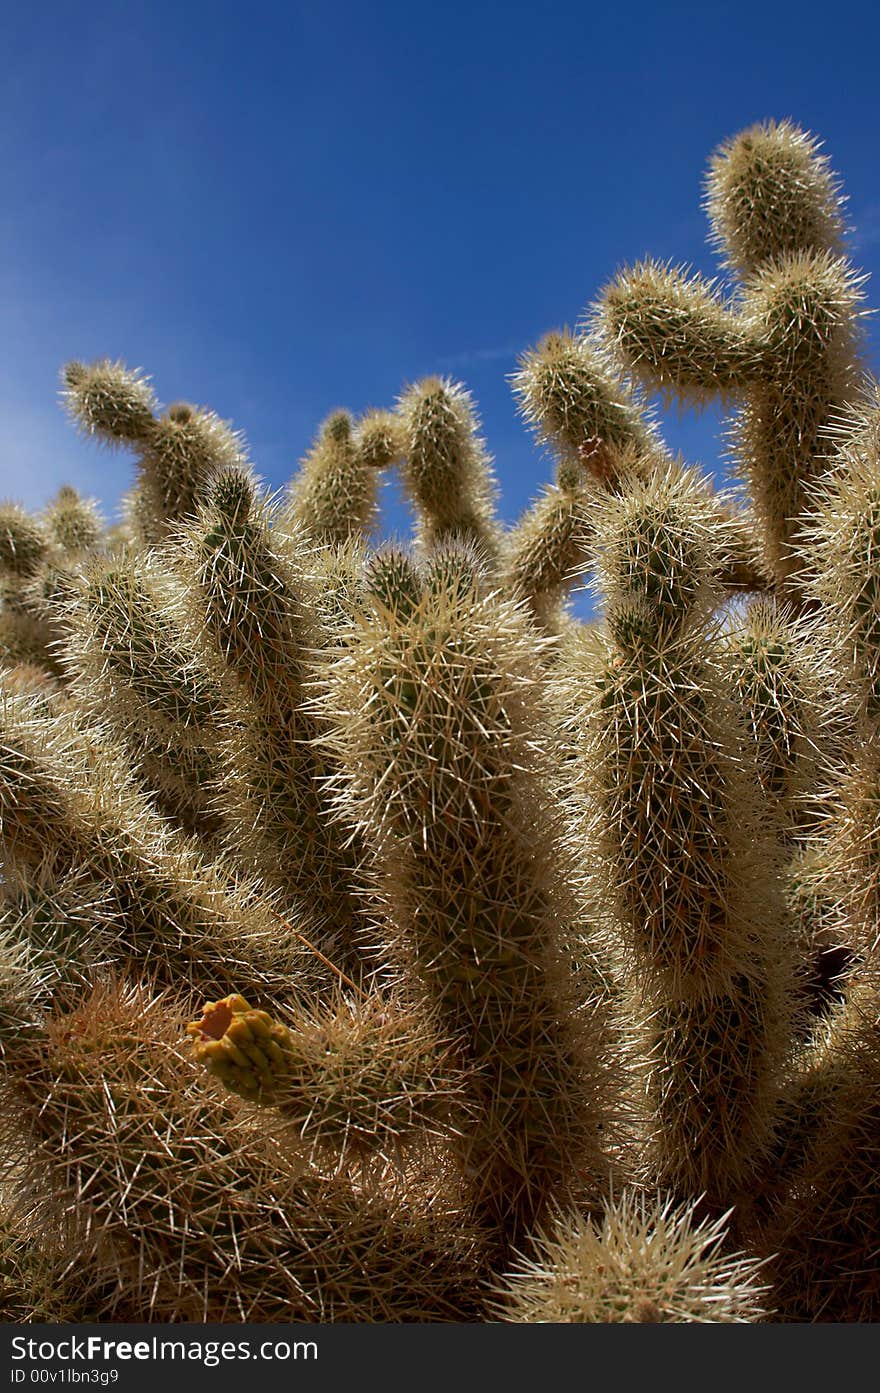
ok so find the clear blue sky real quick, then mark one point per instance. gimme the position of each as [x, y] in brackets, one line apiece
[279, 208]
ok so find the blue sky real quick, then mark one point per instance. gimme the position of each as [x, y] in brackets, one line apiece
[276, 209]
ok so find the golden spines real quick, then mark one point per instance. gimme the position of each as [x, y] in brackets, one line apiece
[110, 401]
[675, 333]
[177, 452]
[333, 496]
[641, 1261]
[784, 346]
[185, 1205]
[354, 1077]
[438, 720]
[447, 470]
[569, 392]
[769, 193]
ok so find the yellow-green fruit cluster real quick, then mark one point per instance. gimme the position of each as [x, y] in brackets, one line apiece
[244, 1048]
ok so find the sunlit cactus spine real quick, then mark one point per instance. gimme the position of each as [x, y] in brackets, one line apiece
[362, 1076]
[116, 1127]
[379, 941]
[129, 669]
[689, 865]
[249, 598]
[785, 346]
[839, 545]
[570, 393]
[68, 802]
[177, 452]
[26, 633]
[821, 1239]
[74, 523]
[437, 722]
[447, 471]
[547, 546]
[787, 695]
[333, 496]
[635, 1263]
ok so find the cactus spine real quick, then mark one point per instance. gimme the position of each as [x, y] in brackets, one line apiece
[379, 942]
[786, 346]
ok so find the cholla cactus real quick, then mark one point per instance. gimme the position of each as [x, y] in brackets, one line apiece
[177, 453]
[645, 1263]
[447, 471]
[689, 865]
[438, 721]
[786, 347]
[362, 1075]
[380, 942]
[333, 497]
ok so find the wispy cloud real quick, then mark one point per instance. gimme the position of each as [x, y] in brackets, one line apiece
[472, 357]
[867, 228]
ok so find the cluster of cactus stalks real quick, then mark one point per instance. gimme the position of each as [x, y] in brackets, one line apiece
[379, 941]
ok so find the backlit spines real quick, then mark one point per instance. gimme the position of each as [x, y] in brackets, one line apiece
[249, 596]
[24, 545]
[570, 393]
[380, 439]
[770, 191]
[549, 543]
[354, 1077]
[526, 942]
[110, 401]
[130, 667]
[124, 1134]
[805, 314]
[67, 802]
[447, 470]
[333, 497]
[690, 862]
[438, 723]
[74, 523]
[676, 334]
[186, 447]
[841, 545]
[638, 1262]
[177, 452]
[785, 346]
[772, 664]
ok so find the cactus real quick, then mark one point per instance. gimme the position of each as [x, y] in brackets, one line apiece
[645, 1264]
[438, 726]
[250, 599]
[785, 346]
[128, 669]
[177, 452]
[356, 1076]
[688, 862]
[333, 496]
[109, 1076]
[381, 942]
[447, 472]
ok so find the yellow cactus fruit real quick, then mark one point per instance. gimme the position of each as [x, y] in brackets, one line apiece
[242, 1047]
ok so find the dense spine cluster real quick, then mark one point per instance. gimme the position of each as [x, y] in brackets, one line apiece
[381, 942]
[784, 344]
